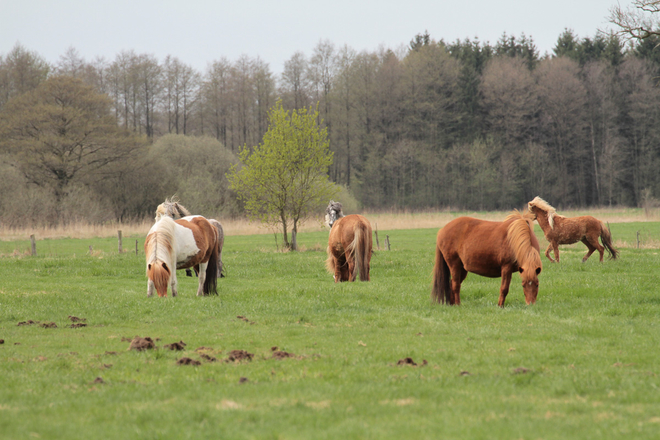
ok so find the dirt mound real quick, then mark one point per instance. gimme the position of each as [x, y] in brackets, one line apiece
[188, 361]
[239, 355]
[76, 319]
[2, 341]
[242, 380]
[243, 318]
[48, 325]
[28, 322]
[141, 344]
[410, 361]
[207, 357]
[520, 370]
[98, 380]
[78, 325]
[279, 355]
[178, 346]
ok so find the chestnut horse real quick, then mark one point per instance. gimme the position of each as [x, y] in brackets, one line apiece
[179, 244]
[562, 230]
[490, 249]
[349, 245]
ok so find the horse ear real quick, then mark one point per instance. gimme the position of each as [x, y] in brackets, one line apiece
[538, 270]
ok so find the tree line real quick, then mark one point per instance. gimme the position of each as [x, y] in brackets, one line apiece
[434, 124]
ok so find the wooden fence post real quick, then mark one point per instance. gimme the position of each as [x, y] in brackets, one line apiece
[377, 243]
[119, 238]
[136, 248]
[388, 242]
[33, 245]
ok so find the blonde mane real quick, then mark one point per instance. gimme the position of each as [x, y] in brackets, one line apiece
[159, 243]
[546, 207]
[520, 237]
[171, 208]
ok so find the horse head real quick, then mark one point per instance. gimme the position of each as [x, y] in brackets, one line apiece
[171, 208]
[333, 212]
[529, 273]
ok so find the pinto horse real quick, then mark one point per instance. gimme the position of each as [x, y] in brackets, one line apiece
[490, 249]
[562, 230]
[191, 241]
[172, 208]
[349, 245]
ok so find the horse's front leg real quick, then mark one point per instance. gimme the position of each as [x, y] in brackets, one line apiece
[201, 271]
[504, 287]
[174, 283]
[150, 288]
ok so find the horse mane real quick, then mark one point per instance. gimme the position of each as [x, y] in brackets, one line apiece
[520, 237]
[160, 241]
[541, 204]
[171, 208]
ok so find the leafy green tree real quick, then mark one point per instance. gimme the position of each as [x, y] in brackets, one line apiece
[284, 179]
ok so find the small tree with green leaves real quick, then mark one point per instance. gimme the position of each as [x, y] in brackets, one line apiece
[282, 180]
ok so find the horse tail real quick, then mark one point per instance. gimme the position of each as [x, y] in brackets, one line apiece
[441, 291]
[354, 251]
[606, 238]
[211, 280]
[362, 250]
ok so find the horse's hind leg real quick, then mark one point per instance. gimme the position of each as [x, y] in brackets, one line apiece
[547, 253]
[592, 245]
[201, 271]
[457, 277]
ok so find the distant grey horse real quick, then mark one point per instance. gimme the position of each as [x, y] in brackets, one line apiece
[333, 212]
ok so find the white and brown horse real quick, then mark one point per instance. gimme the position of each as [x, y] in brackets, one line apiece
[189, 242]
[172, 208]
[349, 245]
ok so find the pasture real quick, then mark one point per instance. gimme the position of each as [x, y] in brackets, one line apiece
[582, 363]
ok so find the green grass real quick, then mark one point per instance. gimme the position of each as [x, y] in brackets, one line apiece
[589, 347]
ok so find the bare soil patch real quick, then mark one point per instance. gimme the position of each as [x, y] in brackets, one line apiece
[409, 361]
[188, 361]
[279, 355]
[178, 346]
[238, 356]
[140, 344]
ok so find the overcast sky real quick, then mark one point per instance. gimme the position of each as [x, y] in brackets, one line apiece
[201, 31]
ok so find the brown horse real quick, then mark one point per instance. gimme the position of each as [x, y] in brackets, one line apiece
[562, 230]
[490, 249]
[349, 245]
[180, 244]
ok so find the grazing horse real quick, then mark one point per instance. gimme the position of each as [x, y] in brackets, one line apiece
[568, 230]
[172, 208]
[489, 249]
[191, 241]
[349, 245]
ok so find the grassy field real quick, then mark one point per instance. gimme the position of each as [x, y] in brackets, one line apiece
[582, 363]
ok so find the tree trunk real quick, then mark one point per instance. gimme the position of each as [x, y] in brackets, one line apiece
[294, 236]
